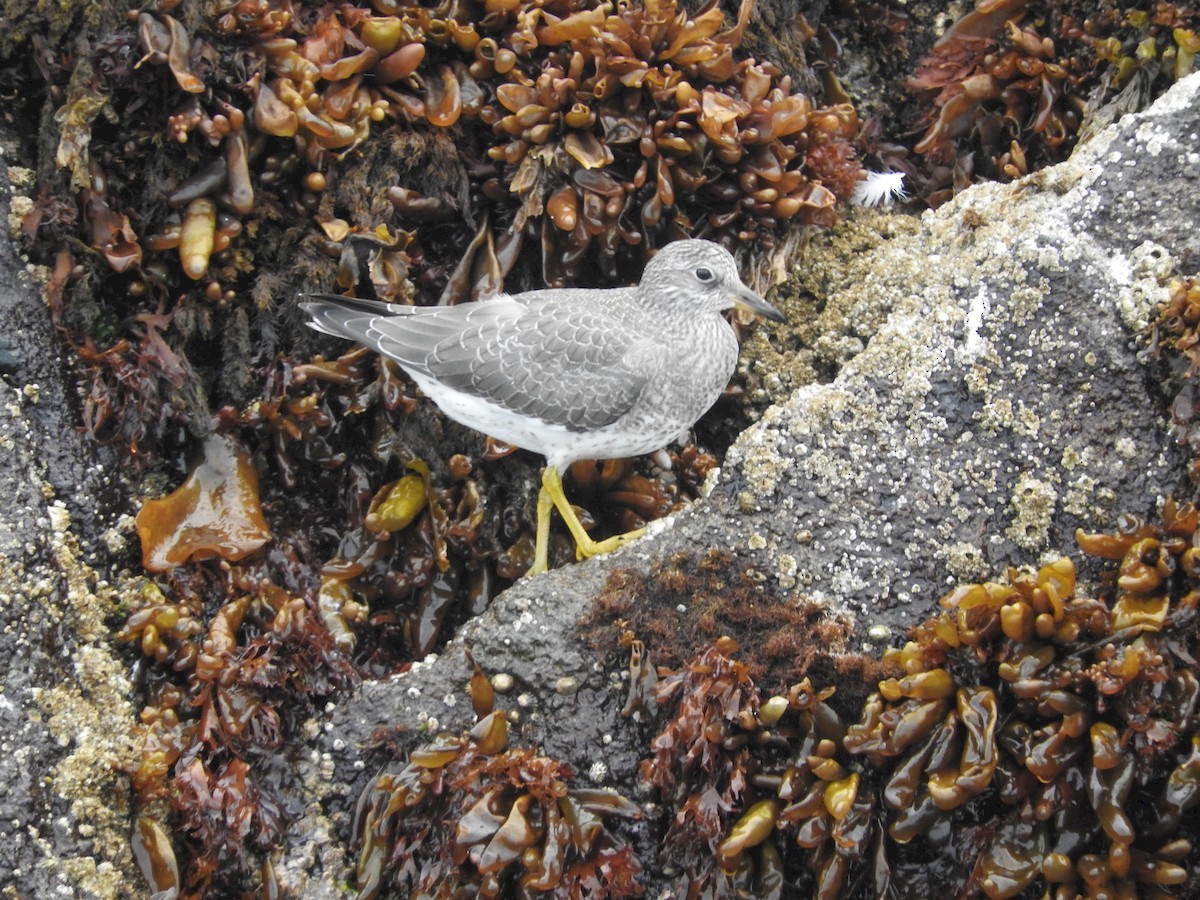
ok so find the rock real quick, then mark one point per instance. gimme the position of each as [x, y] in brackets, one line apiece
[65, 697]
[1000, 406]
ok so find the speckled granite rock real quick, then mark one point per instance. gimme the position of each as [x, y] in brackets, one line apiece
[999, 407]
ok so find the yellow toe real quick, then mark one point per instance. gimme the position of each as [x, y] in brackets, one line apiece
[595, 548]
[551, 497]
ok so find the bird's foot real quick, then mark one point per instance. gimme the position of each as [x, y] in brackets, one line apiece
[552, 497]
[589, 548]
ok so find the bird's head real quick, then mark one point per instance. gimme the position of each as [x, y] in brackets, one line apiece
[700, 275]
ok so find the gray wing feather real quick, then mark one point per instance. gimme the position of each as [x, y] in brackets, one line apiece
[560, 361]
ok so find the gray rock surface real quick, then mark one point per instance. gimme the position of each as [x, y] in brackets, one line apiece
[65, 699]
[999, 407]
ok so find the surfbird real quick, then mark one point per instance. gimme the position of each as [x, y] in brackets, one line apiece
[570, 373]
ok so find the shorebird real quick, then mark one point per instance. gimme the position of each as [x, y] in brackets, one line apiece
[570, 373]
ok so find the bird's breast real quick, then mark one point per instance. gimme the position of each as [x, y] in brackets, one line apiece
[692, 369]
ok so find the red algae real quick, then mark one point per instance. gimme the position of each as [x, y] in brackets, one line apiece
[472, 814]
[1032, 734]
[1013, 85]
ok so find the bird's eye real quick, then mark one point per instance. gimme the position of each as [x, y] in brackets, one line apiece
[704, 276]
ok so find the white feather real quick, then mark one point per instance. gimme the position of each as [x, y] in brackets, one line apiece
[879, 189]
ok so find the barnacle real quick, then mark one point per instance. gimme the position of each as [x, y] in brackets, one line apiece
[1031, 734]
[1010, 86]
[472, 814]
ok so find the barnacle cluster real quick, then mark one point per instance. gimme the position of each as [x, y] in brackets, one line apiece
[471, 815]
[1009, 86]
[1031, 734]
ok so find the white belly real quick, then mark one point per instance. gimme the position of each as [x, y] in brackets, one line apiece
[557, 443]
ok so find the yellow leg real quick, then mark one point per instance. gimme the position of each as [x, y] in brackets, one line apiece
[542, 548]
[552, 494]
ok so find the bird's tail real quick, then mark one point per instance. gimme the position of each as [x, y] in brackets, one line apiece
[332, 313]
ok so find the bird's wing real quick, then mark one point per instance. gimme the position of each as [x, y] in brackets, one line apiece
[564, 362]
[346, 317]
